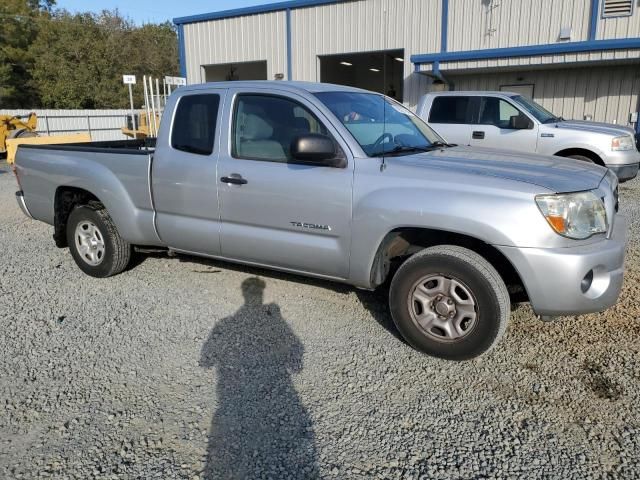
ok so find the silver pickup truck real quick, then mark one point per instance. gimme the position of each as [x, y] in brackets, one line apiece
[348, 185]
[510, 121]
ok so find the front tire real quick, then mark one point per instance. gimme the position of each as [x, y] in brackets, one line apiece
[94, 241]
[449, 302]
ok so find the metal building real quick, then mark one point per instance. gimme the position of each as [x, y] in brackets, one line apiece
[578, 58]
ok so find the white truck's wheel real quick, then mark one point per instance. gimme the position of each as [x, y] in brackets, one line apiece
[94, 242]
[449, 302]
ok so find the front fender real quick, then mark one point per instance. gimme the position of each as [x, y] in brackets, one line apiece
[494, 211]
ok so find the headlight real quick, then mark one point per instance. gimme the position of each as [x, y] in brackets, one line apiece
[624, 142]
[574, 215]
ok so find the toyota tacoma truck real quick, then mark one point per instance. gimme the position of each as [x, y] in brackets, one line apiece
[343, 184]
[511, 121]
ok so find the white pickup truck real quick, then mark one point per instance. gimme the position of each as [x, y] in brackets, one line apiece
[512, 122]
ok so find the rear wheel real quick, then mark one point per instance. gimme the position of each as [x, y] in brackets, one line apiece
[449, 302]
[94, 242]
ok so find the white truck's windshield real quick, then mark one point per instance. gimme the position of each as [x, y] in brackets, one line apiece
[538, 111]
[380, 125]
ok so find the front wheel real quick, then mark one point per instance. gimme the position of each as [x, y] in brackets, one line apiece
[449, 302]
[94, 242]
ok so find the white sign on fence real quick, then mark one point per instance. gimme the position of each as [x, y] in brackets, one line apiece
[179, 81]
[129, 79]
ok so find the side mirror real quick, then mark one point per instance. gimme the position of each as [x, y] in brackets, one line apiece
[315, 149]
[520, 122]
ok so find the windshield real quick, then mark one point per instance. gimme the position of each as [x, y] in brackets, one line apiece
[379, 124]
[538, 111]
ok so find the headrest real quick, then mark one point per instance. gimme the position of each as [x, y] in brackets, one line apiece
[255, 128]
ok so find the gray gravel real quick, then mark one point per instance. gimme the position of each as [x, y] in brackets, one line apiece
[178, 368]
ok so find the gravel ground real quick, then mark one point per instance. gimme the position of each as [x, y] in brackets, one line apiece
[184, 368]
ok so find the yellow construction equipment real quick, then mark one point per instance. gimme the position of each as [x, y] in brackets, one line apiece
[15, 127]
[143, 129]
[14, 131]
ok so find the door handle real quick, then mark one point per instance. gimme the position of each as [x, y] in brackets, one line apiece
[234, 178]
[478, 135]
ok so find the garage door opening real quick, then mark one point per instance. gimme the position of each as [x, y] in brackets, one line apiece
[376, 71]
[224, 72]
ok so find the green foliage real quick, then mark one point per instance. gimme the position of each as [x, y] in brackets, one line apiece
[77, 60]
[18, 29]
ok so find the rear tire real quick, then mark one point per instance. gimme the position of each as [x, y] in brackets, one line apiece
[449, 302]
[94, 241]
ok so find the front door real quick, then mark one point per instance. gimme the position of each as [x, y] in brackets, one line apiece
[495, 127]
[275, 211]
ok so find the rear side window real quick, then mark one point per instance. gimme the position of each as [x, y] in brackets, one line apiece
[194, 124]
[449, 110]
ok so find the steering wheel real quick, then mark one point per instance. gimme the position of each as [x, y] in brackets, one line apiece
[381, 139]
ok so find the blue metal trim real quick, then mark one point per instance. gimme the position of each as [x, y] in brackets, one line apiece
[289, 59]
[593, 19]
[181, 53]
[239, 12]
[528, 51]
[444, 33]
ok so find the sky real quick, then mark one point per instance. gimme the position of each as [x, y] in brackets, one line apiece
[156, 11]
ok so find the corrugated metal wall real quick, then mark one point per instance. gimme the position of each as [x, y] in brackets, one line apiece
[608, 94]
[240, 39]
[103, 124]
[413, 25]
[480, 24]
[620, 27]
[366, 25]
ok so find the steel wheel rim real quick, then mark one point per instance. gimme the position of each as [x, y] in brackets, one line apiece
[89, 243]
[443, 307]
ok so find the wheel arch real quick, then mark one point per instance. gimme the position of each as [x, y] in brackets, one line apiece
[65, 200]
[400, 243]
[593, 156]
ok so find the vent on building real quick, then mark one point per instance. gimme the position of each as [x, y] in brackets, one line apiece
[617, 8]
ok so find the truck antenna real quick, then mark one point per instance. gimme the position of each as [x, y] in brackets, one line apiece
[385, 16]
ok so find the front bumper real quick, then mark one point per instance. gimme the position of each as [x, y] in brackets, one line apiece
[22, 204]
[624, 164]
[554, 277]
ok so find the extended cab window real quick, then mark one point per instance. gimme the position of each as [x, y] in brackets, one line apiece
[194, 124]
[264, 127]
[451, 109]
[497, 112]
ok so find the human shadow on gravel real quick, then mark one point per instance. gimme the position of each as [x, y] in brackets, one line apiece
[260, 429]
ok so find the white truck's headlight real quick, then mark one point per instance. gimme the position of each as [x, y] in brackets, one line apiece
[575, 215]
[624, 142]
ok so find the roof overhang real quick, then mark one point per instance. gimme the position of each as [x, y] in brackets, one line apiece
[239, 12]
[531, 55]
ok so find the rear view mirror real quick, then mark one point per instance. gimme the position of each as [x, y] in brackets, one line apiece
[520, 122]
[315, 149]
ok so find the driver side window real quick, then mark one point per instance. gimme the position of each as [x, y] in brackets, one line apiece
[497, 112]
[264, 127]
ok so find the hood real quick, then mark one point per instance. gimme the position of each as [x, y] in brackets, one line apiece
[557, 174]
[595, 127]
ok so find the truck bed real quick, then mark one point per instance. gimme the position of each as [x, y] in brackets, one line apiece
[117, 173]
[133, 146]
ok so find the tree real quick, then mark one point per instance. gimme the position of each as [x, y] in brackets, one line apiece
[20, 20]
[80, 59]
